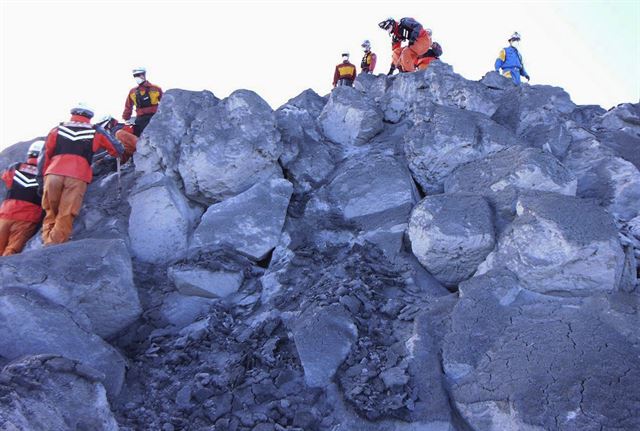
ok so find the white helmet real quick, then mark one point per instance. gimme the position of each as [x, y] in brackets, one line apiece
[366, 44]
[82, 109]
[429, 31]
[139, 71]
[514, 36]
[35, 148]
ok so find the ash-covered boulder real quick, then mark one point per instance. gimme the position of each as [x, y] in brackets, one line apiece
[409, 92]
[250, 222]
[560, 245]
[307, 157]
[159, 148]
[538, 114]
[161, 220]
[323, 339]
[451, 235]
[587, 115]
[374, 86]
[497, 82]
[90, 277]
[501, 176]
[182, 310]
[230, 147]
[619, 130]
[447, 138]
[350, 117]
[197, 281]
[516, 361]
[37, 396]
[30, 325]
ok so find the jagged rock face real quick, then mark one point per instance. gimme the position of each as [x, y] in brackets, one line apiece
[91, 278]
[31, 325]
[501, 176]
[160, 239]
[36, 396]
[560, 245]
[448, 138]
[250, 222]
[519, 362]
[451, 235]
[350, 118]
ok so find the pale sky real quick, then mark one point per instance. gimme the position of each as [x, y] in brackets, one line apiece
[55, 54]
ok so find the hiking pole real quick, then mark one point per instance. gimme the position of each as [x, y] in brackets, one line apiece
[118, 170]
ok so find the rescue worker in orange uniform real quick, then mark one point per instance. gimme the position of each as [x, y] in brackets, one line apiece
[368, 63]
[123, 133]
[345, 72]
[408, 29]
[20, 212]
[433, 53]
[66, 167]
[145, 97]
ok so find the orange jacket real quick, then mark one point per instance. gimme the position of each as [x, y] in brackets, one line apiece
[73, 165]
[16, 209]
[344, 70]
[150, 106]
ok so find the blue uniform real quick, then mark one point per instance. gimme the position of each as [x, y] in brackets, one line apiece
[510, 61]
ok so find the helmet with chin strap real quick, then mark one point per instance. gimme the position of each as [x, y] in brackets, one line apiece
[515, 36]
[35, 148]
[83, 110]
[387, 24]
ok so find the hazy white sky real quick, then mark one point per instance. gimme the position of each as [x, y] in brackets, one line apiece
[57, 53]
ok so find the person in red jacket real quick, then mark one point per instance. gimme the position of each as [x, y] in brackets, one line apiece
[66, 167]
[123, 133]
[407, 29]
[20, 212]
[145, 97]
[345, 72]
[368, 63]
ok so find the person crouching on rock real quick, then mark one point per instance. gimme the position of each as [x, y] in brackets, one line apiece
[408, 29]
[345, 72]
[433, 53]
[21, 210]
[123, 133]
[66, 167]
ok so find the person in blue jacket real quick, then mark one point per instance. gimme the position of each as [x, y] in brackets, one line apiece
[510, 60]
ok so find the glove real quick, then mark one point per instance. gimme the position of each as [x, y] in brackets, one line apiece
[527, 78]
[391, 70]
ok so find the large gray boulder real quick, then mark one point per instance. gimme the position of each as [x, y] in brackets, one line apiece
[501, 176]
[538, 114]
[439, 84]
[196, 281]
[37, 396]
[250, 222]
[161, 220]
[159, 147]
[374, 86]
[516, 361]
[446, 138]
[31, 325]
[559, 244]
[451, 235]
[230, 147]
[619, 130]
[350, 118]
[307, 157]
[91, 278]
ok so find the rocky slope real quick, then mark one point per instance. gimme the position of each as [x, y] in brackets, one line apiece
[420, 252]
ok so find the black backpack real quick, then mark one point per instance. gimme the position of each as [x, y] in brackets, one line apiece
[437, 49]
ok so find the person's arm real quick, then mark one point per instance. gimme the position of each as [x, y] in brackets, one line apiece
[373, 62]
[7, 175]
[336, 76]
[500, 60]
[105, 140]
[128, 108]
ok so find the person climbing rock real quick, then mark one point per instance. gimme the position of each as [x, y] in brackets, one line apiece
[345, 72]
[408, 29]
[433, 53]
[368, 63]
[21, 210]
[510, 60]
[145, 97]
[66, 167]
[123, 133]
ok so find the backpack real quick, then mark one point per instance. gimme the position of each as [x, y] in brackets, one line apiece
[437, 49]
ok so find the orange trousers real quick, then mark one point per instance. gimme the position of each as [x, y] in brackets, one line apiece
[410, 54]
[14, 234]
[129, 141]
[62, 200]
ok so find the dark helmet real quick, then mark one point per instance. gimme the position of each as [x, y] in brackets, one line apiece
[387, 24]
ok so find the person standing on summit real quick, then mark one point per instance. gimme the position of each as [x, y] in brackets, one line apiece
[145, 97]
[408, 29]
[510, 60]
[66, 167]
[368, 63]
[345, 72]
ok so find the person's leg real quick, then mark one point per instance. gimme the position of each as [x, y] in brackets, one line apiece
[5, 229]
[411, 53]
[141, 124]
[395, 56]
[70, 205]
[21, 232]
[129, 140]
[50, 202]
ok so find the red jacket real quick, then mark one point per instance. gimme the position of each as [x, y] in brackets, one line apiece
[15, 209]
[72, 165]
[147, 105]
[344, 70]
